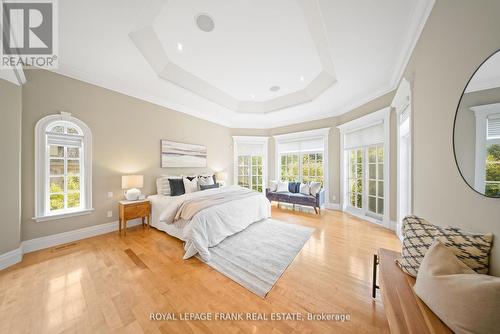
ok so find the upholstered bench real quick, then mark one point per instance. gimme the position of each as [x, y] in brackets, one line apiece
[297, 198]
[405, 312]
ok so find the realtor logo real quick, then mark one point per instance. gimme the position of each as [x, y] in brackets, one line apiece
[29, 34]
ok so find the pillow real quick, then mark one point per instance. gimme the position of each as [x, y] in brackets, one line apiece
[418, 236]
[176, 187]
[293, 187]
[282, 186]
[465, 301]
[273, 185]
[209, 175]
[211, 186]
[304, 189]
[163, 186]
[190, 185]
[314, 188]
[205, 180]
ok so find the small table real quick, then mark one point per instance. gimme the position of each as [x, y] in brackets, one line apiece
[131, 210]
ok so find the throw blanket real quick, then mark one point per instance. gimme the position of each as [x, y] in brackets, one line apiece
[191, 207]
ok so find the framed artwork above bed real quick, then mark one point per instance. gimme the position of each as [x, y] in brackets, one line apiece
[175, 154]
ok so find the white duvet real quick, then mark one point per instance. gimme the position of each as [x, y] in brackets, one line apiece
[211, 225]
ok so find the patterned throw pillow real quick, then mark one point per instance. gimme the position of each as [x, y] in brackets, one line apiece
[419, 235]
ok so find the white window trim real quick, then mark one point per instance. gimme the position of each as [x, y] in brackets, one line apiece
[322, 133]
[377, 117]
[482, 113]
[237, 140]
[402, 102]
[41, 169]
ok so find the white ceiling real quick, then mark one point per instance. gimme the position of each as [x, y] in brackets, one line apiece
[348, 52]
[487, 76]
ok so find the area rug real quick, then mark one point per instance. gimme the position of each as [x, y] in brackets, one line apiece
[257, 256]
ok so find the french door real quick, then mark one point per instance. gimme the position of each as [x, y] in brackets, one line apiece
[366, 180]
[250, 172]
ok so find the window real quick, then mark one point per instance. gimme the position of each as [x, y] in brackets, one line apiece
[65, 167]
[250, 172]
[62, 167]
[301, 167]
[355, 190]
[290, 167]
[302, 161]
[370, 172]
[312, 167]
[493, 170]
[250, 162]
[364, 165]
[376, 179]
[487, 165]
[303, 157]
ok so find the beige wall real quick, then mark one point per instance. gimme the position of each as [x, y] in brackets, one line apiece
[10, 173]
[458, 36]
[126, 139]
[334, 144]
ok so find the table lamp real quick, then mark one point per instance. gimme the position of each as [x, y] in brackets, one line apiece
[221, 177]
[131, 183]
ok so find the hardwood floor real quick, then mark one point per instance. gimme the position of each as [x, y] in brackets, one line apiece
[112, 284]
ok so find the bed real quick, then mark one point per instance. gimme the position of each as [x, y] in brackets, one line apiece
[203, 219]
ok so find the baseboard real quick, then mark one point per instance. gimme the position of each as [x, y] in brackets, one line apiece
[10, 258]
[393, 225]
[333, 206]
[32, 245]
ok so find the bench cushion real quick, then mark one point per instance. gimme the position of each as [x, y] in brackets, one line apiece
[302, 199]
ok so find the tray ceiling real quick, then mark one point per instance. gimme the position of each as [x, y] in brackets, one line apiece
[253, 63]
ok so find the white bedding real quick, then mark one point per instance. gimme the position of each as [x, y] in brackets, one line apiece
[209, 226]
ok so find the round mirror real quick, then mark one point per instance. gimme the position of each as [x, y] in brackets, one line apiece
[476, 133]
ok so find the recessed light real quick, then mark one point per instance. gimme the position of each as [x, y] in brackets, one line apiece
[205, 22]
[302, 78]
[180, 46]
[252, 97]
[274, 88]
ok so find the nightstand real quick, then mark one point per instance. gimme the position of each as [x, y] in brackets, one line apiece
[131, 210]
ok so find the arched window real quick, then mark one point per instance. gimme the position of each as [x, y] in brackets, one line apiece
[63, 167]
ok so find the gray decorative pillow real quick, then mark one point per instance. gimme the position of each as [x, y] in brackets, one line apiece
[419, 235]
[163, 185]
[211, 186]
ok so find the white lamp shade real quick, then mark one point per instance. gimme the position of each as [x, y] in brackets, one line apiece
[221, 176]
[132, 181]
